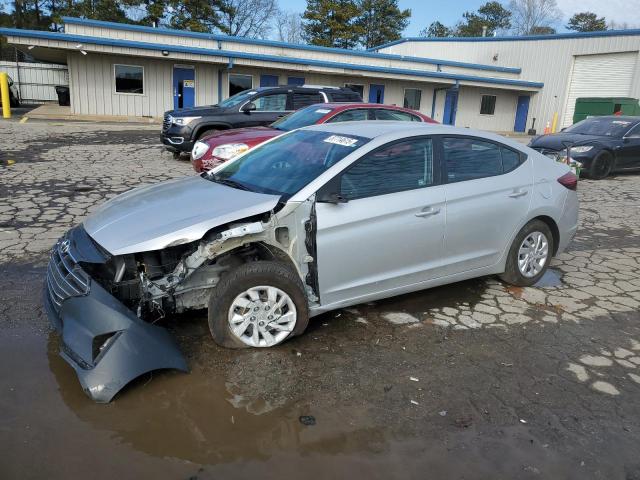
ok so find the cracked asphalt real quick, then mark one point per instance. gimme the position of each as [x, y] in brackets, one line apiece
[472, 380]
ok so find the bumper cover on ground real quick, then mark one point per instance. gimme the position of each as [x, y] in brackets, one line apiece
[130, 346]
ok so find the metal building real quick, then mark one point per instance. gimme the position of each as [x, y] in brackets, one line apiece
[497, 84]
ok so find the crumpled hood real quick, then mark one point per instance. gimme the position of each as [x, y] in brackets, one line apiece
[251, 136]
[173, 212]
[558, 141]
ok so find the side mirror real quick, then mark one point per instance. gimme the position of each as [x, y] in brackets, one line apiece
[248, 107]
[330, 197]
[563, 129]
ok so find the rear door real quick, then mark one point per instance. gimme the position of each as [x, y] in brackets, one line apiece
[390, 232]
[488, 194]
[628, 155]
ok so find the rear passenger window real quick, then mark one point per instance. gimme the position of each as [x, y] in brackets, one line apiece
[393, 168]
[470, 158]
[510, 159]
[351, 116]
[382, 114]
[301, 100]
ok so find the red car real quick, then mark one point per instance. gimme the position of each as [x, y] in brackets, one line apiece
[215, 149]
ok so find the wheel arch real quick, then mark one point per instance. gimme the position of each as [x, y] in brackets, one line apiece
[209, 126]
[553, 226]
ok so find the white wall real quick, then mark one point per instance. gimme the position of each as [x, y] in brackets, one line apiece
[36, 81]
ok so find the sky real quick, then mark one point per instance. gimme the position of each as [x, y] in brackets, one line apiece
[423, 12]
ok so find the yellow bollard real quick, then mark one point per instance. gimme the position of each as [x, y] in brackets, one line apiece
[554, 125]
[4, 95]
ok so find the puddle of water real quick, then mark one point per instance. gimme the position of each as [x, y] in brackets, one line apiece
[551, 278]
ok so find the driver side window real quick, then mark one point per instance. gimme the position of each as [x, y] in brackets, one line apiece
[634, 133]
[401, 166]
[271, 103]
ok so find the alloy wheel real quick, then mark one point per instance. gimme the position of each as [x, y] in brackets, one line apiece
[533, 254]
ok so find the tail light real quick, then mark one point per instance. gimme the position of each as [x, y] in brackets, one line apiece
[569, 180]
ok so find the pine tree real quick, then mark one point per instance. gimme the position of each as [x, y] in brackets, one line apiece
[436, 29]
[381, 21]
[586, 22]
[491, 15]
[332, 23]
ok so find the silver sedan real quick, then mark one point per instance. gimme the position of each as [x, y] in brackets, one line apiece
[314, 220]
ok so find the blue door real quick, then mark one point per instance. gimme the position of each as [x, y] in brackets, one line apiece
[184, 87]
[522, 110]
[268, 80]
[376, 93]
[450, 107]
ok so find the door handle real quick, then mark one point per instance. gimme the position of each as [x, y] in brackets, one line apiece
[427, 212]
[518, 193]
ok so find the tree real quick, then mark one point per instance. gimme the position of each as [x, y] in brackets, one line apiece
[491, 16]
[381, 21]
[197, 15]
[542, 31]
[152, 12]
[332, 23]
[437, 29]
[586, 22]
[248, 18]
[289, 27]
[529, 14]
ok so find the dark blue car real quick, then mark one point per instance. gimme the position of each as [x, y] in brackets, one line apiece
[602, 145]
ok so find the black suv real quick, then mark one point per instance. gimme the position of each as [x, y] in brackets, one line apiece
[250, 108]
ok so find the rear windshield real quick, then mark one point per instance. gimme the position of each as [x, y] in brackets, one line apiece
[288, 163]
[609, 127]
[302, 118]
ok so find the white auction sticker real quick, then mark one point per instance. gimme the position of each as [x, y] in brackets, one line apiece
[340, 140]
[323, 110]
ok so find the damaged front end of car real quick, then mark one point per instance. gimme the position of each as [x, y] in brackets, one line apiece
[104, 306]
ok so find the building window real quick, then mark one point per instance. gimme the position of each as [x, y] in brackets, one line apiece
[412, 97]
[239, 83]
[488, 105]
[129, 79]
[295, 81]
[354, 87]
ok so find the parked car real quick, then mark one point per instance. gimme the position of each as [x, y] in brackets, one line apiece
[14, 94]
[602, 145]
[222, 146]
[250, 108]
[317, 219]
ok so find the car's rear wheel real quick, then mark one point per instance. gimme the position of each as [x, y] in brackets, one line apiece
[259, 304]
[601, 166]
[529, 255]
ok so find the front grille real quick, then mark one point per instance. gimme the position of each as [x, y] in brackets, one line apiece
[65, 278]
[166, 122]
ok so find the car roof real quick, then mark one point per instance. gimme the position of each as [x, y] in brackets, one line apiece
[401, 129]
[300, 88]
[626, 118]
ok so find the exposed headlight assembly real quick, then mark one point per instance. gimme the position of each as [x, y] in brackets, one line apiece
[229, 150]
[184, 120]
[198, 150]
[581, 149]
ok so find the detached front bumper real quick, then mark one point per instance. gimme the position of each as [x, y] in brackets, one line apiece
[105, 343]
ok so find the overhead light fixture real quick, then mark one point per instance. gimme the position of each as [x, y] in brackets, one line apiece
[83, 52]
[165, 52]
[79, 45]
[31, 47]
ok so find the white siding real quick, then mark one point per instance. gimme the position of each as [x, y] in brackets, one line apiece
[36, 81]
[608, 75]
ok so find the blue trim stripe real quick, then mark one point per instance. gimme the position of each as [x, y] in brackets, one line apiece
[525, 38]
[64, 37]
[272, 43]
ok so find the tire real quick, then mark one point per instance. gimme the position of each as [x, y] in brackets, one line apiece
[601, 166]
[513, 273]
[207, 132]
[256, 277]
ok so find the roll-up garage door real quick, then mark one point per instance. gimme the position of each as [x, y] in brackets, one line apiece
[607, 75]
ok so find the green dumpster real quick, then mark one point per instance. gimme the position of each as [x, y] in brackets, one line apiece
[595, 107]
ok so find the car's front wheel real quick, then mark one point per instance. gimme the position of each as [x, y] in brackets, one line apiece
[601, 166]
[259, 304]
[529, 255]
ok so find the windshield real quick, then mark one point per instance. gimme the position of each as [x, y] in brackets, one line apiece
[609, 127]
[302, 118]
[237, 99]
[288, 163]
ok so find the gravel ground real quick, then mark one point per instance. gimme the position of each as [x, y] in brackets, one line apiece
[472, 380]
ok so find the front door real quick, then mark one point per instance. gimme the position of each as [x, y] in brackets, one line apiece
[389, 234]
[269, 108]
[522, 111]
[184, 87]
[376, 93]
[450, 107]
[628, 155]
[488, 195]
